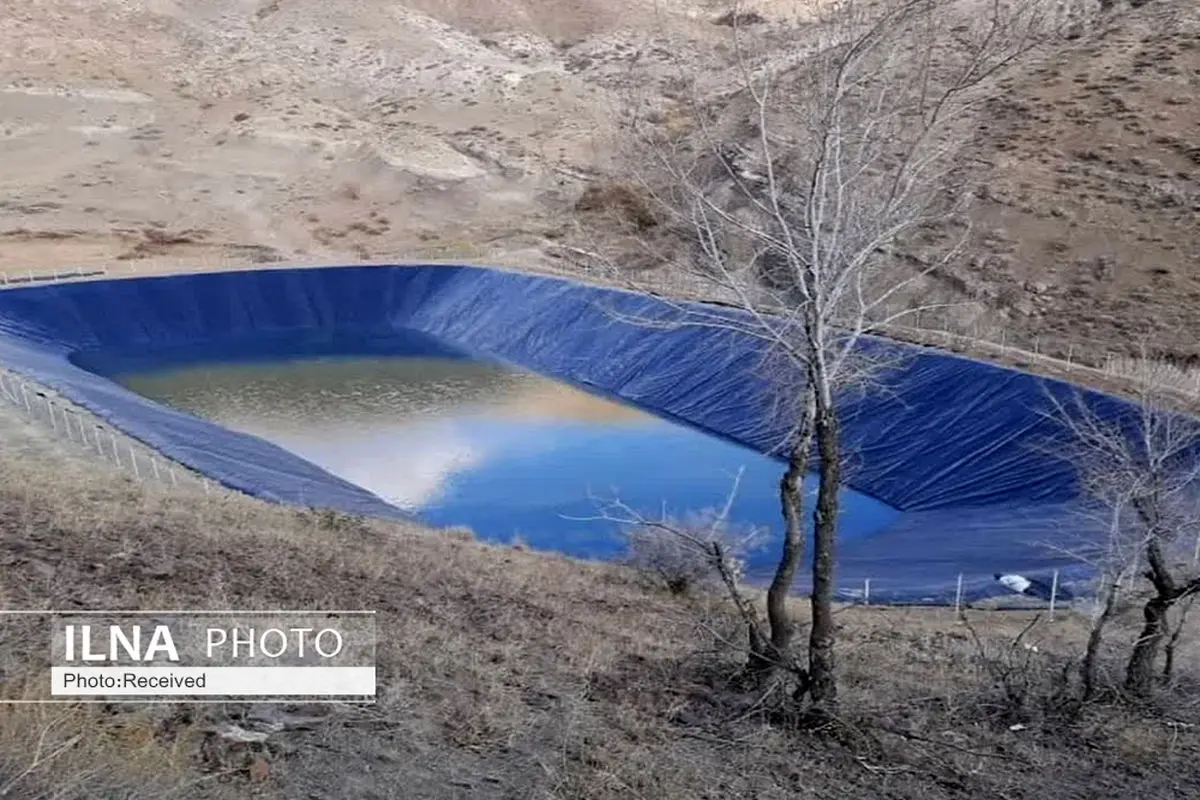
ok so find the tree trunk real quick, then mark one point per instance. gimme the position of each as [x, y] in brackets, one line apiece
[791, 496]
[1091, 656]
[1139, 673]
[1168, 672]
[821, 664]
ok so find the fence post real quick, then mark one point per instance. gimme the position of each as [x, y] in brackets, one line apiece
[154, 468]
[50, 411]
[25, 397]
[867, 592]
[137, 475]
[174, 480]
[958, 594]
[1053, 594]
[112, 437]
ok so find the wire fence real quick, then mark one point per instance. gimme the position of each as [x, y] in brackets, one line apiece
[968, 328]
[1053, 596]
[29, 277]
[81, 428]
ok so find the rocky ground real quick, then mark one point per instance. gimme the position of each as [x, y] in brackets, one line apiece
[1092, 214]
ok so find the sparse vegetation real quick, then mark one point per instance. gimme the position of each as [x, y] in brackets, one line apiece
[691, 554]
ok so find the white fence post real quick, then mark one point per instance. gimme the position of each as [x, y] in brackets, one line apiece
[137, 475]
[867, 592]
[154, 468]
[1053, 594]
[112, 437]
[958, 594]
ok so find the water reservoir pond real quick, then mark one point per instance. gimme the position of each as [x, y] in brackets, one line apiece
[509, 454]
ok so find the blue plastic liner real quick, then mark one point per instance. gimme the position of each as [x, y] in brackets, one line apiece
[962, 448]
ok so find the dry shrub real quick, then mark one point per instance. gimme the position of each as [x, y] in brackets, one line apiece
[621, 200]
[686, 555]
[68, 753]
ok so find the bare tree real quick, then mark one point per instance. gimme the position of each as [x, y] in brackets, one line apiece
[807, 170]
[1108, 546]
[1141, 467]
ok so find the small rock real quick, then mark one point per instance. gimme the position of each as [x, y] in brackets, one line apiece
[259, 769]
[235, 733]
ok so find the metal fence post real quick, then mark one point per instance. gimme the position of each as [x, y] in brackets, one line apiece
[1053, 594]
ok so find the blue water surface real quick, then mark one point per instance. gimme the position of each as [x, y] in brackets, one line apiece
[460, 443]
[546, 484]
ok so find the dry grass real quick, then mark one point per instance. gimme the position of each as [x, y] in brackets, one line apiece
[508, 673]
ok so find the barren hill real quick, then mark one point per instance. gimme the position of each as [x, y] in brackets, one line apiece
[298, 129]
[167, 132]
[1092, 212]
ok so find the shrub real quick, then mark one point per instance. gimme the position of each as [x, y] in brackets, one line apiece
[691, 552]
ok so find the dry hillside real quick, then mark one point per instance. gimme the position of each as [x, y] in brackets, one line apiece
[1091, 218]
[161, 132]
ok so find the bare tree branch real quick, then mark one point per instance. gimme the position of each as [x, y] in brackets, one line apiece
[1141, 468]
